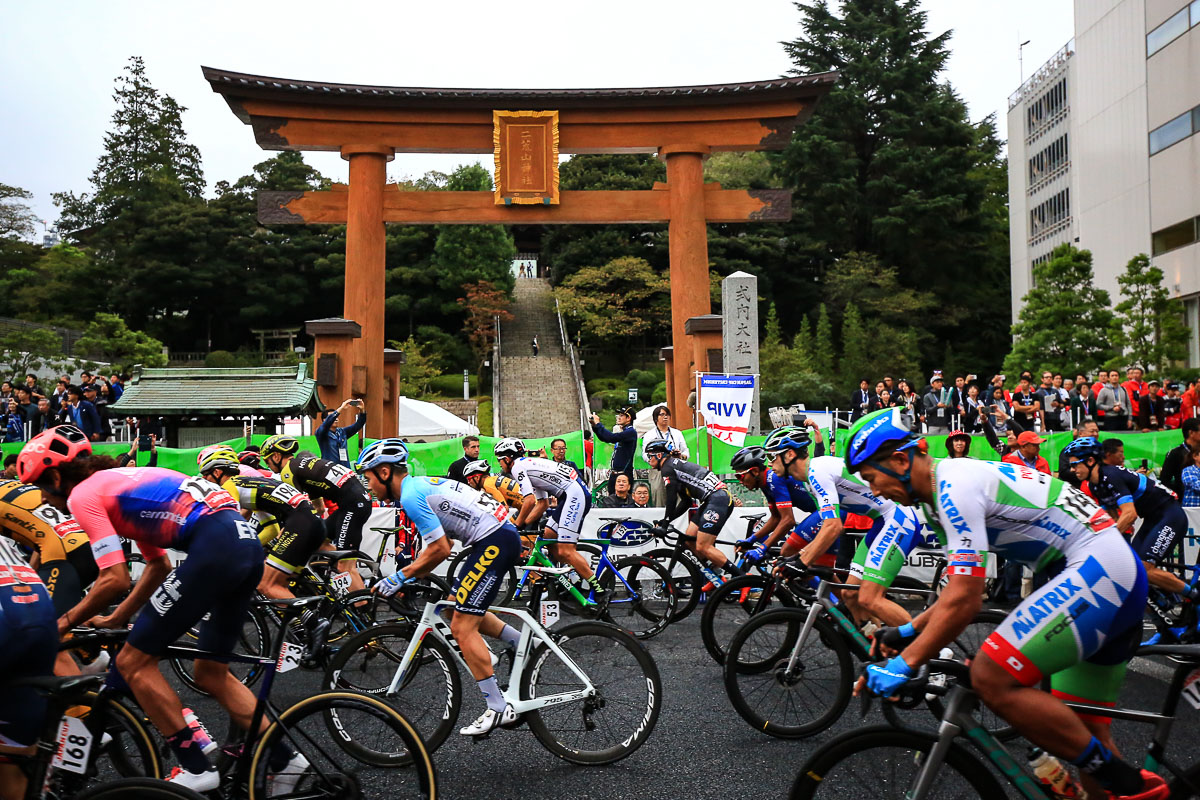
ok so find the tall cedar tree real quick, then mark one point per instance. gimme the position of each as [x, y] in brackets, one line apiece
[1150, 331]
[16, 218]
[1065, 324]
[890, 164]
[466, 254]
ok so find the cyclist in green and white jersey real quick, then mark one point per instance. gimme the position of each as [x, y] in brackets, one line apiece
[1080, 628]
[876, 561]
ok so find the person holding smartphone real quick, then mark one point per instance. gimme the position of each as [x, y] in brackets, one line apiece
[145, 442]
[332, 439]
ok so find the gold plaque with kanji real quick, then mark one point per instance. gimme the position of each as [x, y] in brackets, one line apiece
[526, 147]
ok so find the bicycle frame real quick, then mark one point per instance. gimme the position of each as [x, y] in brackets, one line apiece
[433, 623]
[538, 558]
[824, 603]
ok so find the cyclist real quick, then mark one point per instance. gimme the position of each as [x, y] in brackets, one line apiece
[28, 647]
[691, 484]
[503, 489]
[783, 499]
[874, 562]
[539, 479]
[285, 516]
[1128, 495]
[160, 508]
[1080, 628]
[442, 509]
[325, 480]
[61, 552]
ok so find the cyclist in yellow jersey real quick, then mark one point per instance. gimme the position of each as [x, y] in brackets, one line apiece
[502, 489]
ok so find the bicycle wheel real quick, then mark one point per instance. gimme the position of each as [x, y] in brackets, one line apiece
[124, 745]
[568, 602]
[687, 579]
[255, 640]
[731, 605]
[883, 762]
[966, 645]
[390, 760]
[782, 696]
[615, 721]
[140, 788]
[432, 691]
[641, 597]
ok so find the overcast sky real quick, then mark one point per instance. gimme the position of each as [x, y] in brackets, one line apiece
[58, 61]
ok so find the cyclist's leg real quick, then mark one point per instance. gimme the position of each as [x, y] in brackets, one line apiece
[345, 528]
[1097, 684]
[1154, 542]
[28, 645]
[288, 552]
[708, 522]
[567, 519]
[1090, 610]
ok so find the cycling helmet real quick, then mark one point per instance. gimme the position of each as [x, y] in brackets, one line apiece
[382, 451]
[218, 455]
[479, 467]
[748, 458]
[509, 448]
[250, 458]
[885, 430]
[656, 447]
[284, 445]
[1084, 447]
[790, 437]
[51, 448]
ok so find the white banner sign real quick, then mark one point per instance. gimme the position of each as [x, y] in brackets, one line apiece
[725, 401]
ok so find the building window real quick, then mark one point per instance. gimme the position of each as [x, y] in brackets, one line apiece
[1181, 234]
[1049, 214]
[1168, 32]
[1171, 132]
[1196, 13]
[1042, 111]
[1049, 160]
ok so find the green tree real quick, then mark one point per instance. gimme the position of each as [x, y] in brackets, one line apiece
[1149, 324]
[857, 361]
[618, 301]
[1065, 323]
[465, 254]
[63, 271]
[108, 334]
[416, 369]
[890, 164]
[16, 218]
[25, 350]
[822, 354]
[741, 170]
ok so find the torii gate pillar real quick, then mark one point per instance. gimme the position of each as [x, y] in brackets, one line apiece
[365, 270]
[688, 242]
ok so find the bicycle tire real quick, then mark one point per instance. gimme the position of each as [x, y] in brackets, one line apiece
[747, 680]
[430, 698]
[255, 639]
[305, 725]
[567, 602]
[581, 640]
[131, 752]
[643, 601]
[966, 645]
[1180, 786]
[140, 788]
[687, 583]
[819, 777]
[727, 609]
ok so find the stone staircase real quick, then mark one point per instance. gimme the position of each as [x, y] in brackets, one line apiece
[538, 396]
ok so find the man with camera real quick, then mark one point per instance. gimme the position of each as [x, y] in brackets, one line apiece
[332, 439]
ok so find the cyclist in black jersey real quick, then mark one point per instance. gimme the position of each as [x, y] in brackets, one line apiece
[288, 526]
[1129, 495]
[329, 481]
[687, 483]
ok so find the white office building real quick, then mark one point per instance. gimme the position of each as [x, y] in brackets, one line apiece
[1104, 151]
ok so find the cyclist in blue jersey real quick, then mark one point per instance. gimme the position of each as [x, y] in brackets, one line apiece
[1079, 629]
[441, 510]
[784, 499]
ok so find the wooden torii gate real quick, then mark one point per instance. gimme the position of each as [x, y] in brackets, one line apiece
[368, 125]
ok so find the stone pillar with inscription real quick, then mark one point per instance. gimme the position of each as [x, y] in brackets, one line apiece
[739, 311]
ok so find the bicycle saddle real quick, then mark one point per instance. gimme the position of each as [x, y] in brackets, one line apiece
[331, 556]
[53, 684]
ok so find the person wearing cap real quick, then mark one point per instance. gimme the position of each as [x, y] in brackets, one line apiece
[1028, 452]
[91, 393]
[1150, 407]
[1172, 401]
[624, 438]
[936, 406]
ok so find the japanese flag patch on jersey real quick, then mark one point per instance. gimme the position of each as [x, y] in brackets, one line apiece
[968, 562]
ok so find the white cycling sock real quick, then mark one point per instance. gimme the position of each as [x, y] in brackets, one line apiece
[510, 635]
[492, 694]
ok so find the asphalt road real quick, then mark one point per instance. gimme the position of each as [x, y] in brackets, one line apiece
[700, 750]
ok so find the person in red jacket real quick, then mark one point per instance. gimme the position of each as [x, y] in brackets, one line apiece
[1028, 452]
[1135, 387]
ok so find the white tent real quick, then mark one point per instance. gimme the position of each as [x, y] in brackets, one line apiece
[421, 420]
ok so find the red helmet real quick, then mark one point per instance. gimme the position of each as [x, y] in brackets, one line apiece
[51, 448]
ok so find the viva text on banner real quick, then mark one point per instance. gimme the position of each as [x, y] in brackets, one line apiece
[725, 401]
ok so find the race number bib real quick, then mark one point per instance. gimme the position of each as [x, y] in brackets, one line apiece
[208, 493]
[74, 746]
[288, 495]
[289, 656]
[340, 584]
[1084, 509]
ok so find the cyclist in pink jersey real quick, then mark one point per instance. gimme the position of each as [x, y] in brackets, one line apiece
[159, 509]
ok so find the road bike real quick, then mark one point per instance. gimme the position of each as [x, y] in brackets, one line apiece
[882, 762]
[588, 691]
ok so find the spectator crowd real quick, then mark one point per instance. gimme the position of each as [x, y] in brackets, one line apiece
[26, 409]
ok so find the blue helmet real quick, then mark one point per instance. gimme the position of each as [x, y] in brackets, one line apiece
[1083, 448]
[885, 430]
[790, 437]
[382, 451]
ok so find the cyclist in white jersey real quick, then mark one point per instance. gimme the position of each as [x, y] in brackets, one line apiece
[879, 556]
[1080, 628]
[540, 479]
[441, 510]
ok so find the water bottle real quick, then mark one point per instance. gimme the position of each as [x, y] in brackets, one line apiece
[1053, 775]
[199, 733]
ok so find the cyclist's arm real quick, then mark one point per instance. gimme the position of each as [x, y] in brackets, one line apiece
[675, 505]
[769, 531]
[532, 509]
[1128, 515]
[831, 528]
[152, 577]
[432, 554]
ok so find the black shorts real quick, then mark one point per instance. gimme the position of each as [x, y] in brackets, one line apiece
[28, 647]
[345, 525]
[1156, 538]
[223, 567]
[67, 579]
[712, 515]
[300, 537]
[479, 579]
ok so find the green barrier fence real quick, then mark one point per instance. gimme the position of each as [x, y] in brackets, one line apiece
[434, 458]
